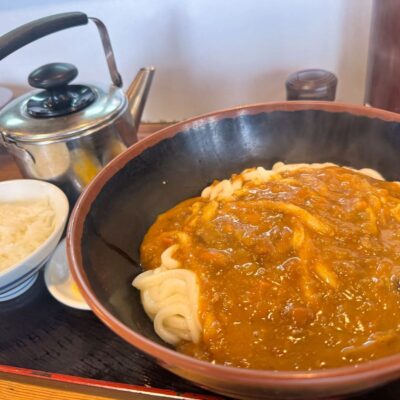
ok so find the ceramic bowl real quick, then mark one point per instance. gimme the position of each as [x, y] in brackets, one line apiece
[18, 278]
[112, 216]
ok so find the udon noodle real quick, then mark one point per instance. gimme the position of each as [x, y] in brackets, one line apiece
[270, 260]
[170, 298]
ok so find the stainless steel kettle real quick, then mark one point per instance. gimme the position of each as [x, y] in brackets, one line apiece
[65, 133]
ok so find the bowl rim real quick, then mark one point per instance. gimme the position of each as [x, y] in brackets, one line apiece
[382, 369]
[60, 226]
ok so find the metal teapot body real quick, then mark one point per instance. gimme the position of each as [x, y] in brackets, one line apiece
[66, 133]
[70, 159]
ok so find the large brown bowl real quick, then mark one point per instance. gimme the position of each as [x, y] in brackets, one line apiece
[113, 214]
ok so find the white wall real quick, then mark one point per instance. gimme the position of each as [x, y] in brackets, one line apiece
[209, 54]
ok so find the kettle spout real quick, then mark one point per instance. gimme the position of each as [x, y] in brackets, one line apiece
[137, 93]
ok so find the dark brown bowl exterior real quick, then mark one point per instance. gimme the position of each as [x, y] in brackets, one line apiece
[114, 212]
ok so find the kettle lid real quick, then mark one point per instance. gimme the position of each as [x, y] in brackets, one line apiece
[60, 110]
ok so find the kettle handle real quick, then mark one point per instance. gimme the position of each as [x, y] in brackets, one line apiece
[39, 28]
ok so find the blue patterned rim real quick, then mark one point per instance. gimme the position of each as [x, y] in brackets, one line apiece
[12, 285]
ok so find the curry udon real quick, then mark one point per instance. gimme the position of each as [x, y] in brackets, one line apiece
[294, 268]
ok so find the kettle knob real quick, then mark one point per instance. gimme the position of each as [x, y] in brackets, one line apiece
[52, 75]
[58, 97]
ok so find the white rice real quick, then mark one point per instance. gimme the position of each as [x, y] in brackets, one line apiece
[24, 226]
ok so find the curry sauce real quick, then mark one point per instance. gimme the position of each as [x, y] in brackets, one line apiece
[301, 272]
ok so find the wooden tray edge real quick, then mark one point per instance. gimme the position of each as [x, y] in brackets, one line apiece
[93, 386]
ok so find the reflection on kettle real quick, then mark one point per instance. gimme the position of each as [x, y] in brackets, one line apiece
[113, 148]
[49, 162]
[85, 166]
